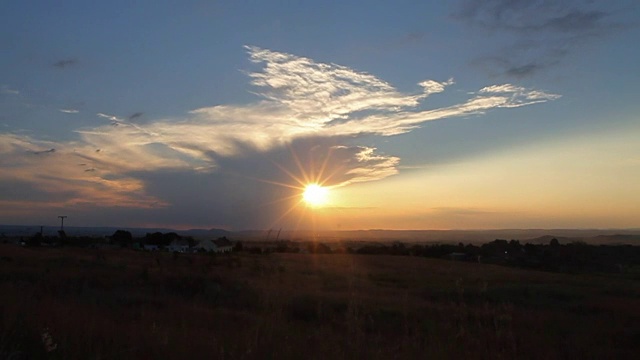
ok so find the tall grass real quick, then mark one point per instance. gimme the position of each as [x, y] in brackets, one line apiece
[120, 304]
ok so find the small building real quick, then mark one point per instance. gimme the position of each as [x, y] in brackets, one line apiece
[204, 246]
[178, 245]
[221, 245]
[150, 247]
[457, 256]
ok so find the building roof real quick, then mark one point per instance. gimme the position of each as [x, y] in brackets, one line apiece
[222, 242]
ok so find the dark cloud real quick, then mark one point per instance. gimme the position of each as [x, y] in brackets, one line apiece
[64, 63]
[579, 22]
[44, 151]
[414, 36]
[575, 17]
[543, 32]
[524, 70]
[259, 189]
[514, 66]
[135, 115]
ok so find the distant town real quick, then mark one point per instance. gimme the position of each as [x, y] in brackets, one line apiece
[608, 251]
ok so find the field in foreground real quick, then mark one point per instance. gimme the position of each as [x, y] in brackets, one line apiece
[72, 303]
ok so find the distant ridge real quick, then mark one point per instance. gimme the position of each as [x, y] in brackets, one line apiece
[100, 231]
[537, 236]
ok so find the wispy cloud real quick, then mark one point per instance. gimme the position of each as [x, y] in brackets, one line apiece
[69, 111]
[110, 117]
[300, 98]
[367, 165]
[65, 63]
[576, 17]
[300, 102]
[50, 151]
[135, 115]
[59, 180]
[8, 91]
[543, 32]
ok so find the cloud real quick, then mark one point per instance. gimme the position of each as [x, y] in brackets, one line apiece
[366, 165]
[69, 111]
[110, 117]
[118, 121]
[270, 181]
[50, 151]
[64, 63]
[8, 91]
[58, 179]
[543, 32]
[304, 126]
[300, 98]
[577, 17]
[135, 115]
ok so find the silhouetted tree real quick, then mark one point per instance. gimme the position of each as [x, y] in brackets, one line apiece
[319, 248]
[237, 247]
[122, 237]
[191, 241]
[35, 240]
[160, 239]
[153, 238]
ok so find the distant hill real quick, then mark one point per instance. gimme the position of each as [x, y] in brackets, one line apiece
[612, 239]
[630, 236]
[536, 236]
[26, 230]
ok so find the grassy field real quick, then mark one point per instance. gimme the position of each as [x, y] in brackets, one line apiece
[72, 303]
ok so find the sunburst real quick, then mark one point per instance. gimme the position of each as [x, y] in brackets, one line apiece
[315, 195]
[311, 186]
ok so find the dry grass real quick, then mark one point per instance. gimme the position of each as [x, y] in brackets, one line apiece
[123, 304]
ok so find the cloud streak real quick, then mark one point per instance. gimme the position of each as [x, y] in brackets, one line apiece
[543, 32]
[6, 90]
[65, 63]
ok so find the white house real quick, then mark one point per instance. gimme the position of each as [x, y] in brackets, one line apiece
[178, 245]
[222, 245]
[204, 245]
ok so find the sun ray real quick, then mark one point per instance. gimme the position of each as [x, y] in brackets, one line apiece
[309, 188]
[305, 176]
[291, 175]
[324, 166]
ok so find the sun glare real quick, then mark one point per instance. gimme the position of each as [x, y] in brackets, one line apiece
[315, 195]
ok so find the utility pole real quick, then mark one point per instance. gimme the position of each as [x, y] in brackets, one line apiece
[62, 222]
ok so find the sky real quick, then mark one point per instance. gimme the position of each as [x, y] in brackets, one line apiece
[410, 114]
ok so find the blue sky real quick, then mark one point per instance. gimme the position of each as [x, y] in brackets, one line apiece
[469, 114]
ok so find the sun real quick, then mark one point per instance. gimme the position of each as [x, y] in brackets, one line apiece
[315, 195]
